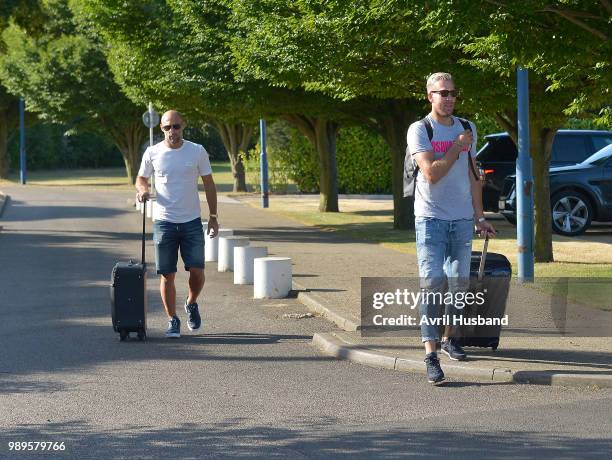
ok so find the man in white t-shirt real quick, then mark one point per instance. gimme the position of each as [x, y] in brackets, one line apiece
[177, 164]
[447, 206]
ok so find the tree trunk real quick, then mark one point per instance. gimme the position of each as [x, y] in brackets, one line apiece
[4, 157]
[541, 146]
[322, 134]
[540, 141]
[129, 139]
[393, 128]
[236, 138]
[9, 121]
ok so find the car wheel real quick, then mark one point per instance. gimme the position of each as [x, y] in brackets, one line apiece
[571, 213]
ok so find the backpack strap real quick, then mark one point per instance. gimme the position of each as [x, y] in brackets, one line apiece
[429, 130]
[466, 125]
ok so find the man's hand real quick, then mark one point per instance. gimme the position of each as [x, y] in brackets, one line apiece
[142, 196]
[142, 188]
[213, 227]
[465, 139]
[483, 228]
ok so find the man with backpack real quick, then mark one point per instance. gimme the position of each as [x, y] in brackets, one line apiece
[447, 194]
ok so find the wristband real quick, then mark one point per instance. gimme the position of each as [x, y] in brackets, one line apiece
[213, 216]
[481, 220]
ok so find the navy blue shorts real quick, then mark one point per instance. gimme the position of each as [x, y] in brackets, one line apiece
[170, 237]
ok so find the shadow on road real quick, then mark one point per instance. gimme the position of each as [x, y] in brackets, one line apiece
[19, 211]
[324, 440]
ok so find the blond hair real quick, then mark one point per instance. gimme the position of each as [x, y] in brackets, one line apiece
[434, 77]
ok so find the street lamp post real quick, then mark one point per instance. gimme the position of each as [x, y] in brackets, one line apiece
[22, 148]
[524, 182]
[263, 164]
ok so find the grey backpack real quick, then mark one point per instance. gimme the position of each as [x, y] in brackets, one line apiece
[411, 168]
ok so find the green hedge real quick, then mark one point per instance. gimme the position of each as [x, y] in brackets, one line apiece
[364, 162]
[363, 159]
[48, 147]
[278, 177]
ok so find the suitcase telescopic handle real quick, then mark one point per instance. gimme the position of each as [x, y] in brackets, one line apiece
[483, 257]
[144, 218]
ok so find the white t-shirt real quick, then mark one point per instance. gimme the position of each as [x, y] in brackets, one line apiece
[451, 197]
[177, 172]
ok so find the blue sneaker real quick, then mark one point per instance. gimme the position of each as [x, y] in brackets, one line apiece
[452, 349]
[434, 371]
[174, 328]
[193, 316]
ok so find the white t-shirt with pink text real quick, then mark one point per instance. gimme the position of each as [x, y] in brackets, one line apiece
[450, 198]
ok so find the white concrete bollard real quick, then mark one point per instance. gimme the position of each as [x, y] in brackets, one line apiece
[138, 205]
[211, 245]
[272, 277]
[244, 257]
[226, 251]
[150, 204]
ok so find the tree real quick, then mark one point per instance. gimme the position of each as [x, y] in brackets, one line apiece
[565, 46]
[183, 76]
[382, 49]
[349, 50]
[9, 116]
[26, 13]
[197, 74]
[62, 72]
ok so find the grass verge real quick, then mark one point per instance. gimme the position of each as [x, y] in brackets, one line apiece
[372, 220]
[107, 177]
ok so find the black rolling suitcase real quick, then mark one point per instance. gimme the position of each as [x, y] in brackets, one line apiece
[129, 295]
[489, 273]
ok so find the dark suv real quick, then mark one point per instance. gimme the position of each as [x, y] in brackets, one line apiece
[498, 157]
[579, 194]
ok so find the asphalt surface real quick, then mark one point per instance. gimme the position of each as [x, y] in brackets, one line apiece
[328, 269]
[249, 384]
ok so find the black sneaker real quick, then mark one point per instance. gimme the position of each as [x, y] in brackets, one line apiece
[434, 371]
[193, 316]
[453, 350]
[174, 328]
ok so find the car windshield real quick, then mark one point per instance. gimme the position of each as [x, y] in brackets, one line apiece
[599, 157]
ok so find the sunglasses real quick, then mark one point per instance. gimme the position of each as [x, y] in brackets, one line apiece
[446, 93]
[176, 126]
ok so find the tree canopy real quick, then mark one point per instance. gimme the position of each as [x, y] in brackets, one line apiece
[565, 47]
[27, 14]
[319, 64]
[196, 74]
[63, 74]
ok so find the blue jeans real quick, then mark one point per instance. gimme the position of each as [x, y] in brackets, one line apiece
[170, 237]
[444, 249]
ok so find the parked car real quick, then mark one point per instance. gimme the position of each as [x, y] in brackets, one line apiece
[580, 194]
[498, 156]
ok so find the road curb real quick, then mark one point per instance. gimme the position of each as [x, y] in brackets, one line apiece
[4, 199]
[558, 378]
[316, 305]
[332, 345]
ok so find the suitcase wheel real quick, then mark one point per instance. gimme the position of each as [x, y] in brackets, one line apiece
[142, 334]
[123, 335]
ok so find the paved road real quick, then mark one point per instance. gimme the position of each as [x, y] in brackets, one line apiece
[249, 385]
